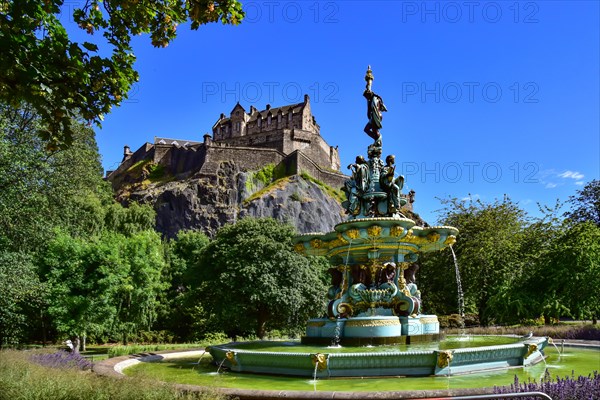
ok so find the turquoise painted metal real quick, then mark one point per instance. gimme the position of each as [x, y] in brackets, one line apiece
[374, 298]
[384, 363]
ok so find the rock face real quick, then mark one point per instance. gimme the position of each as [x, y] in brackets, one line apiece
[207, 202]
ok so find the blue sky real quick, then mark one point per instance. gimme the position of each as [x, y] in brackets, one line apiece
[485, 98]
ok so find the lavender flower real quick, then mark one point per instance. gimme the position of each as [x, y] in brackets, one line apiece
[567, 388]
[62, 359]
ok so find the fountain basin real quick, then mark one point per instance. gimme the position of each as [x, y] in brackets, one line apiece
[387, 362]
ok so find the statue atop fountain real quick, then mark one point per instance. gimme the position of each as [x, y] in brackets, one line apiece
[374, 296]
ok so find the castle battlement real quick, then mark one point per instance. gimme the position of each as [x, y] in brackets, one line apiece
[287, 135]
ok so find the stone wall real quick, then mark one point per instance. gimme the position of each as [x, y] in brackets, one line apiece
[247, 158]
[298, 162]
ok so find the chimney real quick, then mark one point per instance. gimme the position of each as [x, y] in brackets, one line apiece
[252, 110]
[126, 151]
[268, 106]
[306, 99]
[207, 139]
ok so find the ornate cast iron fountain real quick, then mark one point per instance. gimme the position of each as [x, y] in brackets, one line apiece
[373, 297]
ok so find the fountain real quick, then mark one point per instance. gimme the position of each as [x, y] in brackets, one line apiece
[373, 298]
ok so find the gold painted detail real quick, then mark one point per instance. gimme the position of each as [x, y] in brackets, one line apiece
[353, 233]
[374, 231]
[450, 240]
[396, 231]
[317, 324]
[433, 237]
[411, 238]
[319, 360]
[429, 320]
[316, 243]
[373, 322]
[531, 348]
[230, 356]
[345, 308]
[444, 358]
[299, 248]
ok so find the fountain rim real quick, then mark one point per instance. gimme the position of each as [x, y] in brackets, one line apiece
[108, 368]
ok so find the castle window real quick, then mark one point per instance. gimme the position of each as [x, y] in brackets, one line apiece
[278, 118]
[290, 116]
[238, 126]
[259, 122]
[269, 120]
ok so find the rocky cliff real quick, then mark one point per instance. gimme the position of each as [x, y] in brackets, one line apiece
[208, 201]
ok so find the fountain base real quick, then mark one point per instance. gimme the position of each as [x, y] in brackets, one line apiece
[238, 357]
[374, 330]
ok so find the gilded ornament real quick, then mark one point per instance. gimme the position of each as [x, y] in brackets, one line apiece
[316, 243]
[444, 358]
[368, 323]
[433, 237]
[353, 233]
[429, 320]
[345, 308]
[374, 231]
[316, 324]
[299, 248]
[450, 240]
[531, 348]
[396, 231]
[319, 360]
[230, 356]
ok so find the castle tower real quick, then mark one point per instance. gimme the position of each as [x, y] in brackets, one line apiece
[238, 119]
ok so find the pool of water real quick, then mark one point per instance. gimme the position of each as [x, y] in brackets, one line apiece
[190, 371]
[451, 342]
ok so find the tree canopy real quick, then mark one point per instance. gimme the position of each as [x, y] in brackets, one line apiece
[252, 280]
[65, 80]
[585, 206]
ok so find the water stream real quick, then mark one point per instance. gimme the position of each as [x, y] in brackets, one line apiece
[461, 298]
[220, 365]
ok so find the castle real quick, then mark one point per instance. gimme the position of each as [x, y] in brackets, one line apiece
[287, 137]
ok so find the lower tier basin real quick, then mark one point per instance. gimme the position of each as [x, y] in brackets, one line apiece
[415, 360]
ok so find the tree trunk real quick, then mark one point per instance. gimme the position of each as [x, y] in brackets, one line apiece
[76, 342]
[261, 323]
[83, 342]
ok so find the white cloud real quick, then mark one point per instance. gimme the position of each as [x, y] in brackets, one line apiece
[551, 185]
[580, 183]
[571, 174]
[471, 197]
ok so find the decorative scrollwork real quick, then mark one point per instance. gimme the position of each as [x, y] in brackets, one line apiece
[299, 248]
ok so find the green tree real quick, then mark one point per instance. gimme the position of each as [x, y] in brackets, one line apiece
[65, 80]
[108, 285]
[572, 272]
[489, 251]
[42, 190]
[181, 313]
[252, 280]
[585, 206]
[21, 293]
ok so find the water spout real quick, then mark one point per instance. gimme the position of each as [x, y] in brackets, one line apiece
[221, 364]
[461, 298]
